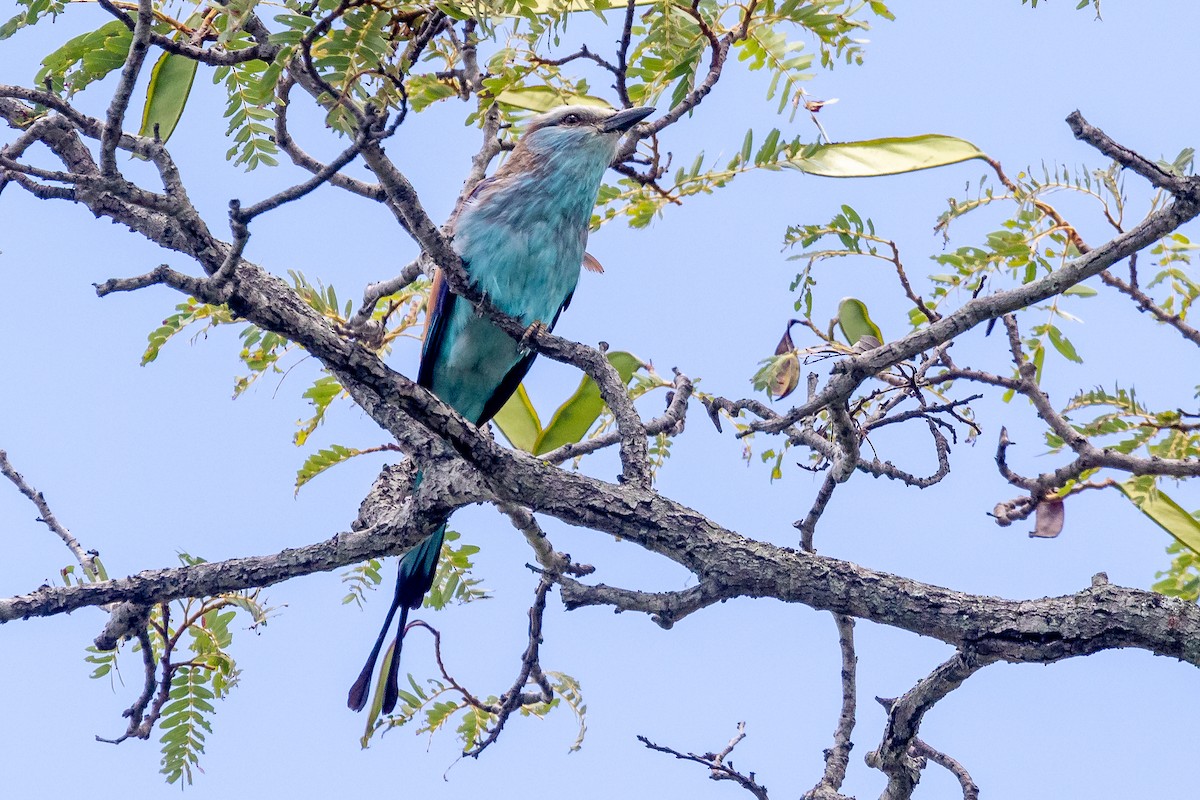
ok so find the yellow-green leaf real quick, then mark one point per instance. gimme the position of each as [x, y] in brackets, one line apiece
[547, 6]
[532, 7]
[518, 421]
[1168, 514]
[889, 156]
[571, 421]
[856, 323]
[544, 98]
[322, 460]
[573, 418]
[376, 708]
[167, 94]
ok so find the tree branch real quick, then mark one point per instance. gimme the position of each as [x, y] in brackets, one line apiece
[115, 119]
[852, 371]
[837, 758]
[904, 719]
[719, 768]
[87, 560]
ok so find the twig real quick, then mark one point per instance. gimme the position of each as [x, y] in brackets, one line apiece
[1146, 304]
[837, 758]
[1130, 159]
[719, 768]
[664, 608]
[115, 119]
[142, 723]
[808, 525]
[212, 57]
[87, 560]
[552, 561]
[376, 291]
[922, 750]
[470, 699]
[670, 423]
[321, 176]
[623, 54]
[136, 712]
[300, 158]
[531, 671]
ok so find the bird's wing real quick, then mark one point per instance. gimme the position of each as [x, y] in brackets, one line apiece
[441, 305]
[515, 375]
[437, 318]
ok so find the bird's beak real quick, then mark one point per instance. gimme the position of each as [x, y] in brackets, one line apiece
[624, 120]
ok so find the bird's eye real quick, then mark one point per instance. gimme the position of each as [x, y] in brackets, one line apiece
[570, 119]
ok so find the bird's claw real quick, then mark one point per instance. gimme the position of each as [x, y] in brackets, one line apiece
[532, 333]
[487, 301]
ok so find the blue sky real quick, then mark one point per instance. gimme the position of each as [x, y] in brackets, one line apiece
[143, 462]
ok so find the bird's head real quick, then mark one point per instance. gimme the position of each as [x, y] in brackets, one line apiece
[576, 133]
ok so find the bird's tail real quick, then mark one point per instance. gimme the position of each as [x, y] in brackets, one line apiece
[413, 579]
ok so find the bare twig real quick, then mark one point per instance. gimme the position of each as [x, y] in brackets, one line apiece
[922, 750]
[670, 423]
[376, 291]
[1145, 303]
[115, 119]
[623, 54]
[664, 608]
[1130, 159]
[837, 758]
[453, 683]
[143, 714]
[719, 768]
[136, 712]
[808, 525]
[86, 559]
[531, 672]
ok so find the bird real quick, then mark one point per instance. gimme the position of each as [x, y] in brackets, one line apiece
[521, 235]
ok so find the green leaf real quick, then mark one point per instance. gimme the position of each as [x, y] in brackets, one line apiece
[322, 460]
[321, 394]
[86, 58]
[376, 707]
[531, 7]
[571, 420]
[1063, 345]
[855, 322]
[544, 98]
[518, 421]
[567, 688]
[167, 94]
[1166, 513]
[888, 156]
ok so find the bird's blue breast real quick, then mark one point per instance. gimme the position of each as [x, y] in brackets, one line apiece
[523, 242]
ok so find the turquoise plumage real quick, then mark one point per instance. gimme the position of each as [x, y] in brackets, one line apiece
[521, 235]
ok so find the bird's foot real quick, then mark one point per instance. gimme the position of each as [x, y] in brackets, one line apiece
[487, 301]
[532, 333]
